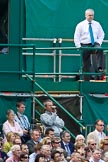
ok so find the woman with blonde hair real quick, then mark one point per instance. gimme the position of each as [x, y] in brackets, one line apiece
[9, 143]
[46, 141]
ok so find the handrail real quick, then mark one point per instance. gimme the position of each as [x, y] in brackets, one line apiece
[72, 117]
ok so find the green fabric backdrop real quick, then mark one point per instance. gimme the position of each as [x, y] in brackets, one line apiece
[95, 107]
[58, 18]
[10, 103]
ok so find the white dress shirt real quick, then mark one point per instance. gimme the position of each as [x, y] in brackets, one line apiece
[82, 34]
[100, 135]
[92, 160]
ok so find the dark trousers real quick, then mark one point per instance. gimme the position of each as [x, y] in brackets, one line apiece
[92, 60]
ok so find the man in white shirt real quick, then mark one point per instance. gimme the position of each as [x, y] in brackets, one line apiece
[98, 133]
[89, 33]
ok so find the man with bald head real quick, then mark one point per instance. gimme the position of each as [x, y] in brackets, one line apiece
[89, 33]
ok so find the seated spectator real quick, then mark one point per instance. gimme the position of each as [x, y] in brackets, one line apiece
[88, 153]
[79, 138]
[24, 149]
[66, 143]
[17, 141]
[80, 148]
[56, 143]
[96, 156]
[49, 132]
[56, 156]
[46, 150]
[35, 137]
[63, 154]
[46, 141]
[91, 143]
[104, 146]
[16, 151]
[76, 157]
[37, 150]
[51, 119]
[24, 157]
[23, 121]
[10, 125]
[40, 158]
[9, 143]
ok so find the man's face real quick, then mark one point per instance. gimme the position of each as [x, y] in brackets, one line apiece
[66, 138]
[56, 144]
[89, 16]
[17, 141]
[92, 145]
[77, 158]
[47, 151]
[51, 134]
[48, 106]
[21, 108]
[100, 126]
[25, 149]
[35, 136]
[57, 157]
[97, 155]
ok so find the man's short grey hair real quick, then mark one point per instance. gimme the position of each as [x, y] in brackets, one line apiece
[89, 10]
[48, 100]
[62, 134]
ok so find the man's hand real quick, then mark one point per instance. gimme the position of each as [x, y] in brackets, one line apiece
[25, 131]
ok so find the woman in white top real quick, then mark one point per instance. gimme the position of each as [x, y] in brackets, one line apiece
[11, 125]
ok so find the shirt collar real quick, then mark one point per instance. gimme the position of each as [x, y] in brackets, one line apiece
[98, 132]
[19, 114]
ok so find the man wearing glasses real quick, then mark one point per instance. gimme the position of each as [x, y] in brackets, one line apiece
[98, 133]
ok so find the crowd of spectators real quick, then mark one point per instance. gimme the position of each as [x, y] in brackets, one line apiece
[49, 142]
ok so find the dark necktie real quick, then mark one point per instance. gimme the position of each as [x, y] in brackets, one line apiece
[91, 34]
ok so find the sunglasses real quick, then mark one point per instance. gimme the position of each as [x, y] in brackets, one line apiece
[25, 157]
[48, 143]
[101, 125]
[93, 144]
[56, 142]
[105, 143]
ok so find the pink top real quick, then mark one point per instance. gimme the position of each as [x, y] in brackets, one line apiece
[7, 127]
[11, 159]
